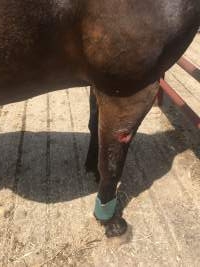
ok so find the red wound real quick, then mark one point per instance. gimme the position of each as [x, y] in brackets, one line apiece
[124, 137]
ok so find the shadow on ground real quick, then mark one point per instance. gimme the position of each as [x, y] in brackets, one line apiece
[49, 167]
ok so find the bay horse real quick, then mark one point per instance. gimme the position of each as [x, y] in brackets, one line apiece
[120, 48]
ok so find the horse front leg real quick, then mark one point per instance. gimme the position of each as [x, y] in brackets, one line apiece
[119, 119]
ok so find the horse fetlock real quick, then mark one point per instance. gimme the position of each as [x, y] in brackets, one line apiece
[104, 212]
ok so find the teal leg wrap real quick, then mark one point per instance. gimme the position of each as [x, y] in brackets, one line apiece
[106, 211]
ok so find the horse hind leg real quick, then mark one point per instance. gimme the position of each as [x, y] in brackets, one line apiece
[91, 164]
[119, 119]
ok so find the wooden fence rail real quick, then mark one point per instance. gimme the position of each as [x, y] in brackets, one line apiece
[165, 88]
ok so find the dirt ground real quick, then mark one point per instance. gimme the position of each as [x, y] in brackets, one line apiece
[47, 199]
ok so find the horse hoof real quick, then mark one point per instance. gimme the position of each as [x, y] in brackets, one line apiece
[116, 227]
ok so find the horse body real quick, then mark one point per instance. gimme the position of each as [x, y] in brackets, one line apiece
[119, 47]
[53, 44]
